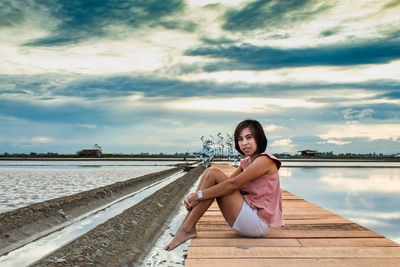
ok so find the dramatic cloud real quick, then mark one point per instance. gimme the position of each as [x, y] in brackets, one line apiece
[272, 128]
[272, 14]
[155, 76]
[350, 114]
[77, 20]
[287, 143]
[368, 131]
[249, 57]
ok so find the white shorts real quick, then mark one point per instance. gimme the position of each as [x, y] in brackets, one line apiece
[248, 223]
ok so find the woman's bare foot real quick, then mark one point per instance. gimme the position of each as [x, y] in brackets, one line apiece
[180, 237]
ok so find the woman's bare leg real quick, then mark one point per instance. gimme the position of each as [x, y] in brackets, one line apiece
[199, 186]
[187, 230]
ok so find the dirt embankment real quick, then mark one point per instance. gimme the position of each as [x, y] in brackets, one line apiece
[21, 225]
[126, 237]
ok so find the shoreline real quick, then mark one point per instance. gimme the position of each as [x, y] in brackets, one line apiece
[97, 159]
[120, 240]
[19, 226]
[193, 159]
[343, 160]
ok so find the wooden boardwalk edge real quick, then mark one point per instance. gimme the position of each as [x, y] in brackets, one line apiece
[312, 236]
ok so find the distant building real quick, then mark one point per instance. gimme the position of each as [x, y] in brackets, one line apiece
[308, 153]
[91, 153]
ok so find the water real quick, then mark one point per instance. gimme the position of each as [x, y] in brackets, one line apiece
[367, 196]
[33, 251]
[27, 182]
[340, 164]
[81, 164]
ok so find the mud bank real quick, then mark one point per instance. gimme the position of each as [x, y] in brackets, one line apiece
[126, 237]
[22, 225]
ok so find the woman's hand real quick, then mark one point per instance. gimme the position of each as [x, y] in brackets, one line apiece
[187, 205]
[191, 201]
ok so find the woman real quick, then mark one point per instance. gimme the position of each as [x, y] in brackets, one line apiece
[249, 199]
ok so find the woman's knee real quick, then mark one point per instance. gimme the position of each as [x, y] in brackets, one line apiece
[214, 171]
[215, 174]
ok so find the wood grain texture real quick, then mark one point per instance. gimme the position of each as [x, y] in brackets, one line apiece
[292, 262]
[311, 236]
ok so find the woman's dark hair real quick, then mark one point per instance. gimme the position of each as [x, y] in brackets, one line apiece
[258, 133]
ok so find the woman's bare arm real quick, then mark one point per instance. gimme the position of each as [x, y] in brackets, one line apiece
[236, 172]
[260, 166]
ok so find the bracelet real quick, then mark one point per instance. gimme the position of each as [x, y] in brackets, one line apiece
[200, 195]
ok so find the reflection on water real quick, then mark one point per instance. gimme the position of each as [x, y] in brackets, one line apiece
[373, 180]
[79, 164]
[368, 196]
[340, 163]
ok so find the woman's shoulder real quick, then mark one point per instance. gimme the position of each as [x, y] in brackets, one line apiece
[271, 158]
[244, 162]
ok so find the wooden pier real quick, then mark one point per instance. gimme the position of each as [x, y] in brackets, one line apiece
[312, 236]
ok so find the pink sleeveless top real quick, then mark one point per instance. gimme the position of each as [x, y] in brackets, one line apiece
[264, 194]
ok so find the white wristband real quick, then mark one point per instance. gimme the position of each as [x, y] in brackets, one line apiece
[200, 195]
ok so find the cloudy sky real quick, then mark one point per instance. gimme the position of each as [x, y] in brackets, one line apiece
[154, 75]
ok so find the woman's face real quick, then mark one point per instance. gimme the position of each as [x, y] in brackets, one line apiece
[247, 142]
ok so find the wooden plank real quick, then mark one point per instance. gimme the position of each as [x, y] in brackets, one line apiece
[276, 232]
[330, 220]
[307, 212]
[244, 242]
[213, 209]
[325, 227]
[294, 252]
[308, 216]
[272, 233]
[300, 205]
[305, 209]
[213, 212]
[211, 215]
[212, 227]
[348, 242]
[291, 262]
[291, 197]
[217, 214]
[213, 222]
[299, 227]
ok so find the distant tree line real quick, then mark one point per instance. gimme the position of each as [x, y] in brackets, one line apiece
[331, 155]
[322, 155]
